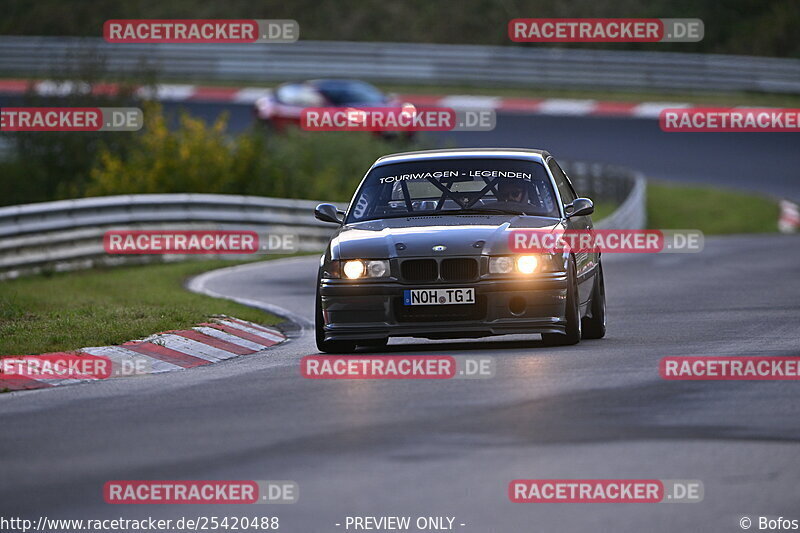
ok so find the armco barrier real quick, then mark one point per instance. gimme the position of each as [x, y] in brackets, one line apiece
[624, 187]
[789, 219]
[68, 234]
[414, 63]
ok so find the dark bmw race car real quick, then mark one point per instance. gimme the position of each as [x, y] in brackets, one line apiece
[423, 251]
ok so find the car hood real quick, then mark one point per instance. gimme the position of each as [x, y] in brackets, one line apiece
[417, 236]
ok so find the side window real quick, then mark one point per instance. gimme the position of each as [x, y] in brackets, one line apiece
[297, 94]
[564, 188]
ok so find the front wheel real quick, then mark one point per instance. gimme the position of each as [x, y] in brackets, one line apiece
[573, 314]
[594, 326]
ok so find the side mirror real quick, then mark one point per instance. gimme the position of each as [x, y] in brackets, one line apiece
[581, 207]
[328, 213]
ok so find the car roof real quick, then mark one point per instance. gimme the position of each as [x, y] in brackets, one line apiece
[322, 83]
[454, 153]
[336, 82]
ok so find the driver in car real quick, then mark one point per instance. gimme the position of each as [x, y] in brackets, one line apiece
[512, 191]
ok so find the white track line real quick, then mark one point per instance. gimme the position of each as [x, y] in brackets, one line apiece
[654, 109]
[249, 95]
[557, 106]
[463, 101]
[198, 284]
[167, 92]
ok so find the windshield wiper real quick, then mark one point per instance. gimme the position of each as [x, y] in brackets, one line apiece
[489, 210]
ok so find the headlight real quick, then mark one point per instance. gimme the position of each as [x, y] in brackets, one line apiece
[377, 269]
[501, 265]
[358, 268]
[354, 269]
[524, 264]
[527, 264]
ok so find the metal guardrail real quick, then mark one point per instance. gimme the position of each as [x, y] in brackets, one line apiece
[68, 234]
[625, 187]
[427, 64]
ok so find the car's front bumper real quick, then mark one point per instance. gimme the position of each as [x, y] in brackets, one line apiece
[374, 309]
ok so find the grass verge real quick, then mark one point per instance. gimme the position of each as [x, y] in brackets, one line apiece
[101, 307]
[602, 210]
[709, 209]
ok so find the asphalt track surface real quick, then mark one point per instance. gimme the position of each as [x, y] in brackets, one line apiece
[449, 448]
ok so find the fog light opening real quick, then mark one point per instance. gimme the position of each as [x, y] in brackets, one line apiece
[517, 305]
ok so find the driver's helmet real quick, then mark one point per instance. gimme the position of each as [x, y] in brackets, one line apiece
[512, 190]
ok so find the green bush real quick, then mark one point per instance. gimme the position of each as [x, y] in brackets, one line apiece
[203, 158]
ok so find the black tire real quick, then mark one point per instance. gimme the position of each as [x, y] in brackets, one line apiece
[573, 312]
[594, 327]
[324, 345]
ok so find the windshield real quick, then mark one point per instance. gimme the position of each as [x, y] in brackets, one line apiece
[347, 93]
[455, 186]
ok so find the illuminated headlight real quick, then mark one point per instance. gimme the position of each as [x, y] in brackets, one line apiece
[523, 264]
[356, 268]
[527, 264]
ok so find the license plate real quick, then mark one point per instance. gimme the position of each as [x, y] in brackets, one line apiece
[438, 296]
